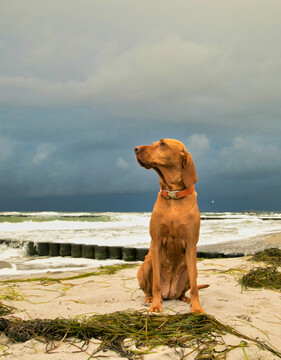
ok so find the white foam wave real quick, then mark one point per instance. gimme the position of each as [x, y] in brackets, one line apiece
[49, 265]
[130, 229]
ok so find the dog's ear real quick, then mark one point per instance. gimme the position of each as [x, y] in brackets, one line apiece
[189, 175]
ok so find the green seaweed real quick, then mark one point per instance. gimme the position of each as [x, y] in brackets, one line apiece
[199, 332]
[262, 277]
[9, 294]
[270, 256]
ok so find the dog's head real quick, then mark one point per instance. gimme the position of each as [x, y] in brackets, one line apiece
[169, 158]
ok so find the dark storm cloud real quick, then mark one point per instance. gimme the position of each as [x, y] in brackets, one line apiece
[81, 84]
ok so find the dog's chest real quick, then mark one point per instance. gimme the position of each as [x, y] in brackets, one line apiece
[168, 223]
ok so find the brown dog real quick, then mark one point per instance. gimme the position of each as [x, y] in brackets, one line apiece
[169, 269]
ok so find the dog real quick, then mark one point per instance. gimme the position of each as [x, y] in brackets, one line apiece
[169, 269]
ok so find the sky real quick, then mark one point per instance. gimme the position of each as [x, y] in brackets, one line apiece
[84, 82]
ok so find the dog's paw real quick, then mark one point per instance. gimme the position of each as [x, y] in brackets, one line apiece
[197, 309]
[184, 298]
[155, 308]
[148, 300]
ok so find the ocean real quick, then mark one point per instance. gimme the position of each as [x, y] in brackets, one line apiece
[110, 229]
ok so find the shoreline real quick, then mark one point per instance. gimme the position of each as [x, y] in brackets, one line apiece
[236, 248]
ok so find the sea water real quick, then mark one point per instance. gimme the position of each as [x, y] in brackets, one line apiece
[110, 229]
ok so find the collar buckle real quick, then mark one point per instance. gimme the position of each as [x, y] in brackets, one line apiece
[173, 195]
[176, 195]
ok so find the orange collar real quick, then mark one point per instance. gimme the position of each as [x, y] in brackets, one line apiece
[175, 195]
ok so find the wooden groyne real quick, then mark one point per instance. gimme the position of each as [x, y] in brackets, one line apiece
[98, 252]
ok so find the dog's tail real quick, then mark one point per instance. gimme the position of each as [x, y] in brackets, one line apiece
[203, 286]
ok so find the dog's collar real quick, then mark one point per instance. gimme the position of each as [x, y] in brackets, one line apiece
[176, 195]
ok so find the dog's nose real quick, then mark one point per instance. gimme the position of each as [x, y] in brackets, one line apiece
[137, 149]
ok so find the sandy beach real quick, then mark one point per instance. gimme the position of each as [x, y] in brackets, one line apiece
[248, 246]
[252, 312]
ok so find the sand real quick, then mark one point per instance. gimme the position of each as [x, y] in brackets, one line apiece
[253, 312]
[248, 246]
[274, 239]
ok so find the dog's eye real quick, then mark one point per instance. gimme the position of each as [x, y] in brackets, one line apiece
[162, 144]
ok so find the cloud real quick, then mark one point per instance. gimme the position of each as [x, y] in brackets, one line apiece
[43, 151]
[80, 86]
[175, 67]
[194, 75]
[6, 148]
[122, 164]
[198, 145]
[139, 70]
[245, 158]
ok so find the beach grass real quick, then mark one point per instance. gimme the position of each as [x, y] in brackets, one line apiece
[132, 334]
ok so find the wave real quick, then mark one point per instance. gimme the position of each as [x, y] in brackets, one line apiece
[15, 217]
[127, 228]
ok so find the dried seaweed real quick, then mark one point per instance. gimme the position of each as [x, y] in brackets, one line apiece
[5, 309]
[198, 332]
[262, 277]
[270, 256]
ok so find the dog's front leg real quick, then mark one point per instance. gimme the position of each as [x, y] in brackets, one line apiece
[156, 305]
[192, 275]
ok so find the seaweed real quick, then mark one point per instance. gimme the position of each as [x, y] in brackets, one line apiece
[268, 276]
[5, 309]
[262, 277]
[197, 332]
[270, 256]
[9, 294]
